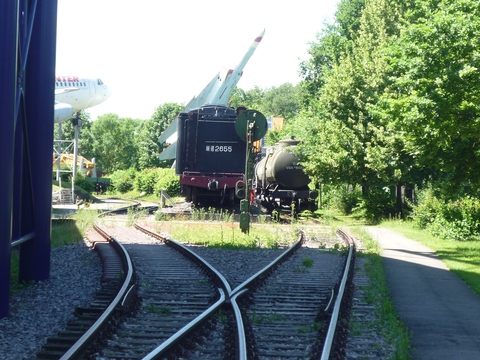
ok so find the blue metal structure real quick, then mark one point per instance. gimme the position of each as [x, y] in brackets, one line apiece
[27, 75]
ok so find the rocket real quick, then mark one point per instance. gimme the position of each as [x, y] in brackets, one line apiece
[217, 92]
[225, 88]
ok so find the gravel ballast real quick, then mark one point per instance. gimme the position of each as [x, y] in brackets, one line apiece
[43, 309]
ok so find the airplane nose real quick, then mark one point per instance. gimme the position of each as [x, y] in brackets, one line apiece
[108, 92]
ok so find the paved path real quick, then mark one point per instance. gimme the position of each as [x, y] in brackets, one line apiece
[442, 313]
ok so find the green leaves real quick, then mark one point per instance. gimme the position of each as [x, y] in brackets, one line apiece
[391, 95]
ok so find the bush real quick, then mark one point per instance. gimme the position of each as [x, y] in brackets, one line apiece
[451, 220]
[167, 180]
[82, 182]
[146, 180]
[343, 198]
[377, 204]
[123, 180]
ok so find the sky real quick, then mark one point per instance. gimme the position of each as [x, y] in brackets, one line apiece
[150, 52]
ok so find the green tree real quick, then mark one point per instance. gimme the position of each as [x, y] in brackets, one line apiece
[114, 142]
[148, 147]
[434, 99]
[343, 142]
[281, 101]
[251, 99]
[333, 42]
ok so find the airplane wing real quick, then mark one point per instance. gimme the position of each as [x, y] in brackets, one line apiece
[169, 153]
[217, 92]
[168, 132]
[201, 99]
[63, 91]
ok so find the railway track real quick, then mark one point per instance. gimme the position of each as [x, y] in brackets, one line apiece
[92, 323]
[188, 309]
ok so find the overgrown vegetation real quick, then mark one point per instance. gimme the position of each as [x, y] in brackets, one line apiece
[70, 232]
[147, 182]
[378, 295]
[390, 99]
[227, 235]
[457, 219]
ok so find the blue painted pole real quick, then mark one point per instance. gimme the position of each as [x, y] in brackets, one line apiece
[8, 70]
[39, 114]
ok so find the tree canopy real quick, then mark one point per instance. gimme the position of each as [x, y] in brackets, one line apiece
[391, 96]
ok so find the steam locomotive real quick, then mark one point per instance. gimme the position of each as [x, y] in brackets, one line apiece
[211, 157]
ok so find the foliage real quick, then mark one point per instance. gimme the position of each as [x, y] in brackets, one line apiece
[82, 182]
[282, 101]
[227, 235]
[451, 220]
[390, 97]
[146, 141]
[377, 204]
[167, 180]
[272, 137]
[146, 180]
[251, 99]
[114, 142]
[342, 142]
[433, 99]
[343, 198]
[123, 180]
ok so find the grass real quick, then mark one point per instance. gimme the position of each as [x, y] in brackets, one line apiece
[135, 195]
[71, 232]
[377, 293]
[461, 257]
[66, 233]
[228, 234]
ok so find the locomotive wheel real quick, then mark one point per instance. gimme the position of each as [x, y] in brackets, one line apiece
[194, 195]
[188, 196]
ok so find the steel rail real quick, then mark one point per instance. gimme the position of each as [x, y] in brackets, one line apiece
[336, 310]
[161, 350]
[241, 338]
[256, 276]
[228, 295]
[190, 254]
[85, 341]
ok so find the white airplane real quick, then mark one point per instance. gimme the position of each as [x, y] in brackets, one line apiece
[73, 94]
[217, 92]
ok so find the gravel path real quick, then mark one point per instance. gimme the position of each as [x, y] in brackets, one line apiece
[43, 309]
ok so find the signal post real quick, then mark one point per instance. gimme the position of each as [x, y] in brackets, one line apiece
[251, 125]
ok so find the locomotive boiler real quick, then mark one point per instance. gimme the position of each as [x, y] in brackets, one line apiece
[280, 182]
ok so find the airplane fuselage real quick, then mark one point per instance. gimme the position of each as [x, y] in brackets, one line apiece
[80, 93]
